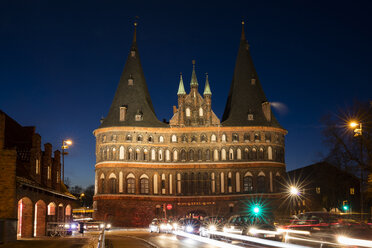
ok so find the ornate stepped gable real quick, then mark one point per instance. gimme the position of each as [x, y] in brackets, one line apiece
[194, 110]
[247, 104]
[132, 104]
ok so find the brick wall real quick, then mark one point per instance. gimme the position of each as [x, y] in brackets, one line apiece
[8, 183]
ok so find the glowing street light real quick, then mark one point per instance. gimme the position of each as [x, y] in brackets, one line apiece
[65, 144]
[294, 191]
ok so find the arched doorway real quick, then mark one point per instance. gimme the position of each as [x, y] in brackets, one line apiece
[51, 212]
[39, 218]
[24, 225]
[60, 213]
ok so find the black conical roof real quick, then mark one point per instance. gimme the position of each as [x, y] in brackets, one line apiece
[132, 92]
[244, 97]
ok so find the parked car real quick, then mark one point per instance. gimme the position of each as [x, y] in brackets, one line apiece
[160, 226]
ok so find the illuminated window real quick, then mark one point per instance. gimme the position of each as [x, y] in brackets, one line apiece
[317, 190]
[351, 191]
[188, 112]
[49, 172]
[123, 113]
[213, 138]
[161, 139]
[52, 209]
[200, 112]
[174, 138]
[223, 138]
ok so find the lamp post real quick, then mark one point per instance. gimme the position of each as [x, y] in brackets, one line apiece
[293, 193]
[358, 131]
[65, 144]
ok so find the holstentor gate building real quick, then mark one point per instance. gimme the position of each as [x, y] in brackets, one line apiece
[196, 162]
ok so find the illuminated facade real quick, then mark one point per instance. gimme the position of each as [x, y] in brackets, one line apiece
[196, 163]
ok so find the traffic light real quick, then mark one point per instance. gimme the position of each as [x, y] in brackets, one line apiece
[345, 206]
[256, 210]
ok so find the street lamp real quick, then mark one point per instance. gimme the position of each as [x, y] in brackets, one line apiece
[294, 192]
[358, 131]
[65, 144]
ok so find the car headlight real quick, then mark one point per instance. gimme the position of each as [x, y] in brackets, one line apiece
[102, 225]
[225, 229]
[189, 229]
[162, 226]
[73, 226]
[169, 226]
[108, 226]
[175, 225]
[67, 226]
[212, 228]
[253, 230]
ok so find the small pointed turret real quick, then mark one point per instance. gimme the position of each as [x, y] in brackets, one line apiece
[207, 89]
[181, 88]
[194, 80]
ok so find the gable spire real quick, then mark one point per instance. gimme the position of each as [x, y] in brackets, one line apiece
[242, 37]
[207, 89]
[135, 32]
[194, 80]
[181, 88]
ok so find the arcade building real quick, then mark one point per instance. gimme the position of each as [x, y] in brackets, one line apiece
[195, 164]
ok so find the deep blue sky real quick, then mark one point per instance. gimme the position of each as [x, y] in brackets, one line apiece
[60, 62]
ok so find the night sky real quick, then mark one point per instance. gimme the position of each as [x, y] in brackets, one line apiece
[60, 63]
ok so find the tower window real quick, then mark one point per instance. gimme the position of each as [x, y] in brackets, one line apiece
[200, 111]
[253, 81]
[130, 80]
[128, 138]
[133, 53]
[139, 116]
[188, 112]
[235, 137]
[123, 113]
[250, 117]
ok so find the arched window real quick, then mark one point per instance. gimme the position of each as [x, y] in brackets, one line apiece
[213, 138]
[229, 182]
[170, 183]
[191, 155]
[238, 154]
[188, 112]
[113, 183]
[130, 154]
[193, 138]
[223, 138]
[207, 155]
[222, 182]
[268, 137]
[113, 153]
[213, 183]
[200, 111]
[183, 155]
[128, 137]
[278, 182]
[184, 138]
[257, 137]
[200, 155]
[179, 189]
[246, 154]
[139, 138]
[121, 152]
[150, 139]
[167, 155]
[270, 153]
[156, 189]
[206, 182]
[261, 154]
[215, 155]
[192, 184]
[175, 155]
[138, 154]
[163, 190]
[237, 182]
[223, 154]
[185, 184]
[261, 187]
[145, 155]
[131, 184]
[254, 154]
[203, 138]
[153, 154]
[102, 183]
[247, 137]
[161, 139]
[231, 154]
[248, 183]
[160, 155]
[174, 138]
[144, 184]
[235, 137]
[52, 208]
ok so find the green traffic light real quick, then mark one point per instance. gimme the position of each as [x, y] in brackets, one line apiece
[345, 207]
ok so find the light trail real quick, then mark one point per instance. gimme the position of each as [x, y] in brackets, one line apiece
[206, 240]
[350, 241]
[293, 231]
[257, 240]
[311, 240]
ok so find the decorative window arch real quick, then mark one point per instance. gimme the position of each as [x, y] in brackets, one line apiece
[145, 154]
[130, 154]
[200, 111]
[261, 154]
[223, 154]
[213, 182]
[161, 139]
[269, 153]
[248, 182]
[150, 139]
[156, 186]
[191, 155]
[237, 182]
[207, 155]
[238, 154]
[128, 137]
[193, 138]
[188, 112]
[203, 138]
[213, 138]
[261, 183]
[229, 182]
[112, 183]
[246, 153]
[235, 137]
[160, 155]
[139, 138]
[113, 153]
[222, 178]
[254, 153]
[121, 152]
[170, 184]
[200, 155]
[267, 136]
[223, 138]
[131, 184]
[215, 155]
[179, 189]
[183, 155]
[184, 138]
[153, 154]
[163, 189]
[52, 208]
[167, 155]
[247, 137]
[256, 137]
[231, 154]
[175, 155]
[174, 138]
[144, 184]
